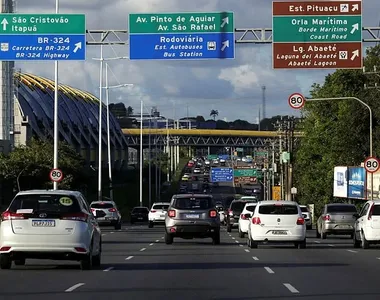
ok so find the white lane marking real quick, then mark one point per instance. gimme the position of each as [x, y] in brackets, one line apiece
[318, 242]
[108, 269]
[291, 288]
[255, 258]
[75, 286]
[112, 232]
[162, 237]
[330, 245]
[352, 251]
[157, 241]
[246, 250]
[269, 270]
[240, 245]
[377, 257]
[151, 244]
[129, 257]
[143, 249]
[236, 241]
[233, 238]
[103, 234]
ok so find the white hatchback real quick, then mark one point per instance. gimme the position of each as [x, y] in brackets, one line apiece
[367, 225]
[157, 213]
[245, 215]
[47, 224]
[277, 222]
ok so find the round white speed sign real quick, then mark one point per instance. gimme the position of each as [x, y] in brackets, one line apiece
[56, 175]
[371, 164]
[296, 101]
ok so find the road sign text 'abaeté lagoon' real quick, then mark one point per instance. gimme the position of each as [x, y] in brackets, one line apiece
[182, 36]
[42, 37]
[317, 35]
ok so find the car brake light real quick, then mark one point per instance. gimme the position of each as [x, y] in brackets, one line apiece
[326, 218]
[7, 215]
[152, 211]
[230, 212]
[243, 217]
[75, 217]
[80, 249]
[5, 248]
[172, 213]
[300, 221]
[92, 209]
[371, 211]
[112, 209]
[256, 221]
[213, 213]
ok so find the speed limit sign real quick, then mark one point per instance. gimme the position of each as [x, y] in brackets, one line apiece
[56, 175]
[371, 164]
[296, 101]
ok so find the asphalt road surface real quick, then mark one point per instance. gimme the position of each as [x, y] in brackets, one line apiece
[137, 264]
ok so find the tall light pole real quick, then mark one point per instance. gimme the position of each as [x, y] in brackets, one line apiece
[141, 152]
[56, 135]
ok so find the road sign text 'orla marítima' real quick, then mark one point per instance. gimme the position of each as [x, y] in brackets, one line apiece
[182, 36]
[317, 35]
[42, 37]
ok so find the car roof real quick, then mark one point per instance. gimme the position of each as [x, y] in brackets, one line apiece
[140, 207]
[161, 203]
[340, 204]
[107, 201]
[272, 202]
[52, 192]
[192, 195]
[251, 204]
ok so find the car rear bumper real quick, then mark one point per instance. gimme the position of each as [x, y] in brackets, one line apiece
[279, 239]
[193, 230]
[334, 228]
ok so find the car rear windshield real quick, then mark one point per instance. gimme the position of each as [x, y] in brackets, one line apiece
[193, 203]
[102, 205]
[45, 203]
[341, 208]
[278, 209]
[238, 206]
[161, 206]
[138, 210]
[376, 210]
[250, 199]
[250, 208]
[304, 209]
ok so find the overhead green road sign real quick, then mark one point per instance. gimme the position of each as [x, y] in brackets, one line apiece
[42, 24]
[317, 29]
[181, 23]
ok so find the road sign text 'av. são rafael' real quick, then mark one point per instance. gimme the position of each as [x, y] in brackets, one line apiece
[182, 36]
[317, 35]
[42, 37]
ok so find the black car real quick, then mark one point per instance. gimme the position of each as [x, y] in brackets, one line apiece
[233, 213]
[139, 214]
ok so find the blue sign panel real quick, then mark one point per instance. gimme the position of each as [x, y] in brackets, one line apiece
[224, 156]
[42, 47]
[356, 182]
[222, 174]
[182, 46]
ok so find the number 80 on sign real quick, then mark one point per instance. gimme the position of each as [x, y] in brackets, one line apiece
[56, 175]
[372, 164]
[296, 101]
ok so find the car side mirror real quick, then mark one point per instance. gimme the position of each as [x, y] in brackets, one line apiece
[356, 216]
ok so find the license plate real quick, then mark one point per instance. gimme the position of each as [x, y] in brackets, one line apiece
[43, 223]
[140, 218]
[162, 216]
[192, 216]
[278, 232]
[344, 226]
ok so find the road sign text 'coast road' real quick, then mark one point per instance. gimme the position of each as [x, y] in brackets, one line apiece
[42, 37]
[317, 35]
[182, 36]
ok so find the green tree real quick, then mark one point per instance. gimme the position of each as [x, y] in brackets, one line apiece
[336, 132]
[29, 165]
[214, 113]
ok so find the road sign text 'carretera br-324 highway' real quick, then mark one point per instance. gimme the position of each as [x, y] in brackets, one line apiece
[182, 36]
[42, 37]
[317, 35]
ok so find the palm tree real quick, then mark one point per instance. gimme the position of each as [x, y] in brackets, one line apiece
[129, 111]
[214, 113]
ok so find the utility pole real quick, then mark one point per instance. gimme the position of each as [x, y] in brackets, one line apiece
[373, 76]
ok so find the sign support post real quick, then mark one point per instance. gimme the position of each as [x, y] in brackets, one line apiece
[56, 135]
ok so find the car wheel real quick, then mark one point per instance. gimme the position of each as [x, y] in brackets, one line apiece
[356, 242]
[229, 227]
[216, 238]
[5, 261]
[241, 234]
[86, 261]
[118, 226]
[301, 245]
[150, 225]
[365, 244]
[317, 234]
[309, 227]
[168, 239]
[20, 262]
[323, 235]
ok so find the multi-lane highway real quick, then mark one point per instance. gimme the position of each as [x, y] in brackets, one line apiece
[137, 264]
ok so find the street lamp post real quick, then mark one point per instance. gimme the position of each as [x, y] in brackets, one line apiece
[141, 152]
[56, 135]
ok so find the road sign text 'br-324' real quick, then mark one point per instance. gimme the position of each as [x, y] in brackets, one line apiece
[317, 35]
[182, 36]
[42, 37]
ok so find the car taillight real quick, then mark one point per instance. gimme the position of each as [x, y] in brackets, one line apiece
[230, 212]
[243, 217]
[152, 211]
[7, 215]
[92, 209]
[256, 221]
[326, 218]
[172, 213]
[300, 221]
[112, 209]
[75, 217]
[213, 213]
[371, 211]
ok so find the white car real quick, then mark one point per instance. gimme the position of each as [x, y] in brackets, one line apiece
[244, 219]
[112, 216]
[157, 213]
[307, 216]
[50, 224]
[367, 225]
[197, 171]
[277, 222]
[207, 162]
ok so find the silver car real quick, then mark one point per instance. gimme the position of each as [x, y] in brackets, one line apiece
[337, 218]
[110, 214]
[192, 216]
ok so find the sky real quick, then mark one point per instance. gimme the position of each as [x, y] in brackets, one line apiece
[181, 88]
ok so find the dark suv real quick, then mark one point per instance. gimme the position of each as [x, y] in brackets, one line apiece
[233, 214]
[192, 216]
